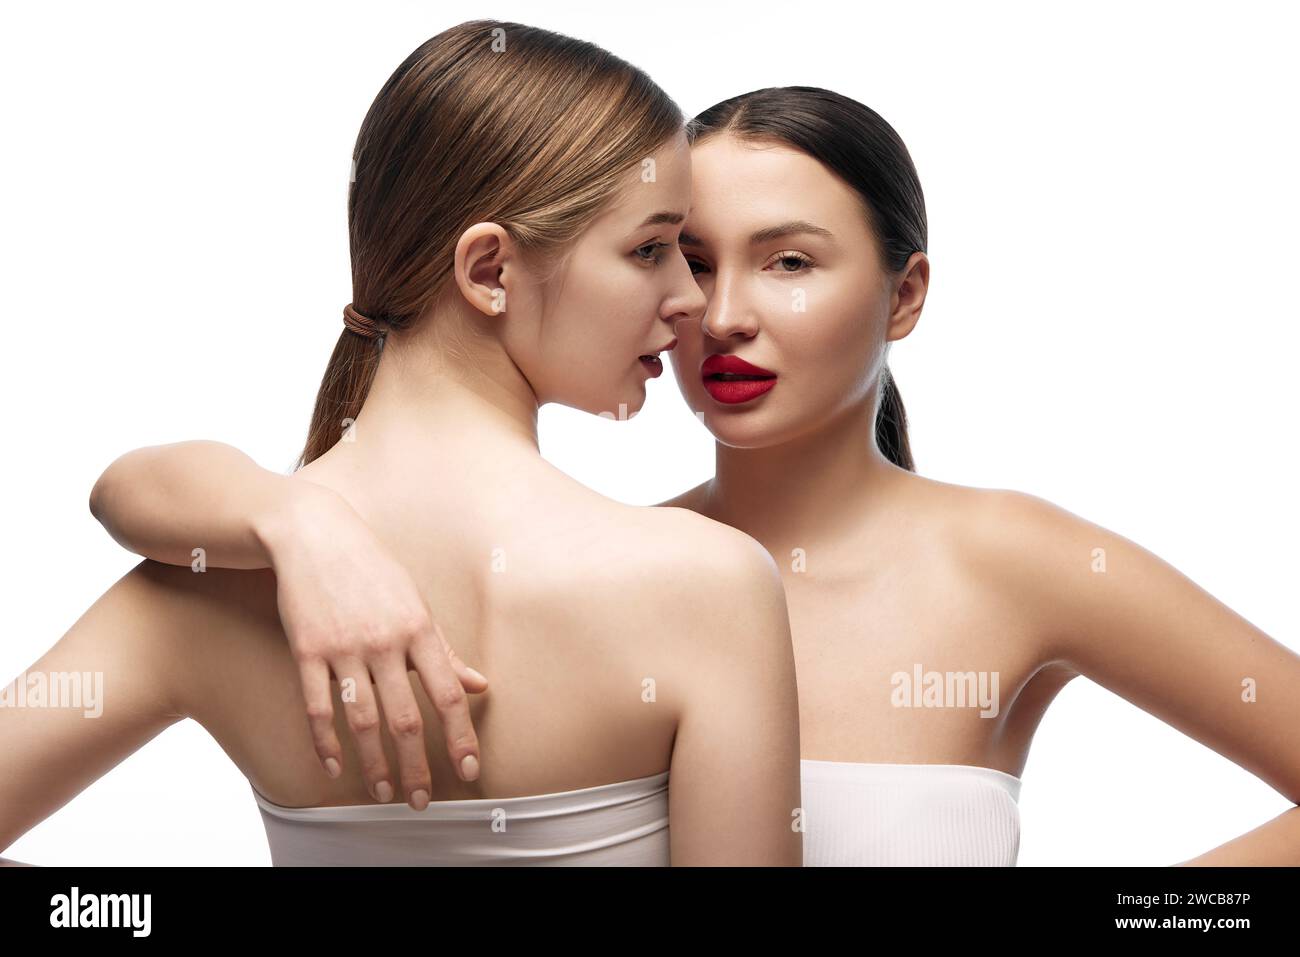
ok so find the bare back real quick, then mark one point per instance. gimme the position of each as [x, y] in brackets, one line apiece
[586, 613]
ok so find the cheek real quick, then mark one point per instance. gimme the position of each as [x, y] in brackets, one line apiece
[838, 333]
[597, 319]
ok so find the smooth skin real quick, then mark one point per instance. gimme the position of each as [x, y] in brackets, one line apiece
[622, 641]
[882, 568]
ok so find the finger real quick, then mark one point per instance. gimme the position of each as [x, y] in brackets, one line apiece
[362, 712]
[405, 723]
[449, 698]
[315, 675]
[471, 680]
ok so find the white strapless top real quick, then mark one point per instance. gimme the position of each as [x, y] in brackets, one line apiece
[853, 814]
[874, 815]
[625, 823]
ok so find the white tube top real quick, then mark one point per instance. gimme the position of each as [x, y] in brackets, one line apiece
[855, 814]
[873, 815]
[625, 823]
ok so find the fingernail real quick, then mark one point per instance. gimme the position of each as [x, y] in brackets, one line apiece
[384, 791]
[477, 674]
[332, 767]
[469, 767]
[420, 799]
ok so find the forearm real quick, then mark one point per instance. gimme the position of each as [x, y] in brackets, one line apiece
[162, 502]
[1273, 844]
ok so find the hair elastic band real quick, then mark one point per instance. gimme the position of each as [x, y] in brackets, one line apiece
[366, 328]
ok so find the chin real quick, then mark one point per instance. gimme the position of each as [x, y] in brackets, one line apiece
[741, 430]
[620, 405]
[731, 429]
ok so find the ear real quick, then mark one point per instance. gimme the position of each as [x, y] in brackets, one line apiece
[909, 297]
[487, 263]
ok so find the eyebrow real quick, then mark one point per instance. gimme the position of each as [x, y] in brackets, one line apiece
[659, 219]
[790, 228]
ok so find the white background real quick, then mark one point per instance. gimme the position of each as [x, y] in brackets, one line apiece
[1111, 324]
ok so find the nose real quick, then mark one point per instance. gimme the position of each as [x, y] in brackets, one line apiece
[687, 301]
[726, 314]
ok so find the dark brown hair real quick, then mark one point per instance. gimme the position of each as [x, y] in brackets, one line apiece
[855, 143]
[488, 121]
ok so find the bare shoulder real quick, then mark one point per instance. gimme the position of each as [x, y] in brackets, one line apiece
[1033, 556]
[721, 606]
[1116, 612]
[683, 544]
[1007, 520]
[1020, 531]
[711, 580]
[667, 579]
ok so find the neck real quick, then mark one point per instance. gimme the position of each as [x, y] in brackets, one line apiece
[808, 489]
[436, 412]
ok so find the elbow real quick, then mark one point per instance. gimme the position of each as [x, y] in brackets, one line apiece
[104, 492]
[97, 496]
[100, 493]
[104, 511]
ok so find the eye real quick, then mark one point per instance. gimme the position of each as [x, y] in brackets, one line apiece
[790, 260]
[697, 267]
[649, 253]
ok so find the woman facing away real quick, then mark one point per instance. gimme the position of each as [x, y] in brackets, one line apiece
[933, 624]
[510, 245]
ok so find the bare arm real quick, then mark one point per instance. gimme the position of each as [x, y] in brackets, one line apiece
[110, 680]
[734, 794]
[1118, 614]
[348, 608]
[164, 501]
[1276, 842]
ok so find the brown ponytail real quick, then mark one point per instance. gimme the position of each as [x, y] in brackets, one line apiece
[891, 424]
[348, 375]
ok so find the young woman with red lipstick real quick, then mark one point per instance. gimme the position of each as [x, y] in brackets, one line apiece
[626, 645]
[808, 236]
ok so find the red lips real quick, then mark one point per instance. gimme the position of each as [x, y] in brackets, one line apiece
[732, 380]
